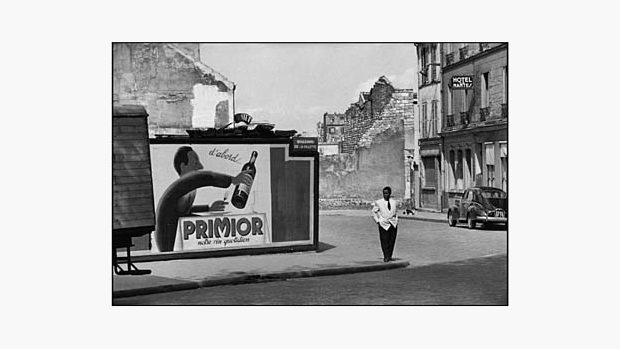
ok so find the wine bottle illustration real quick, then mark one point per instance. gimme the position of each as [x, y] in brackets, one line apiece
[242, 191]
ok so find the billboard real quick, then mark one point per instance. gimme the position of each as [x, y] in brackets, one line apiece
[231, 196]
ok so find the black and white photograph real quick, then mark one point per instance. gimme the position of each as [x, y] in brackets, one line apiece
[310, 173]
[281, 174]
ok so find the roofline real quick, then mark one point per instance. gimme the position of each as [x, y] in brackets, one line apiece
[203, 68]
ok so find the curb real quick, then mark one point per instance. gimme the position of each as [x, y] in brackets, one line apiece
[436, 220]
[189, 285]
[253, 278]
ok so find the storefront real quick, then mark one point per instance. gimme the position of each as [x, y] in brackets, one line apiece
[475, 157]
[430, 193]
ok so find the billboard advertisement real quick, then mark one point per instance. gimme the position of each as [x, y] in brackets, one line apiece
[231, 196]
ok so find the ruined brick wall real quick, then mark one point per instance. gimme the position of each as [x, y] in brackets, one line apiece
[358, 120]
[176, 94]
[376, 160]
[361, 116]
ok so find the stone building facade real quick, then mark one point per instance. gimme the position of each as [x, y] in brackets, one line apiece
[332, 128]
[331, 133]
[178, 90]
[475, 120]
[429, 111]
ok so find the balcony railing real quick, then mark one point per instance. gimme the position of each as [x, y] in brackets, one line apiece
[464, 117]
[463, 53]
[450, 58]
[504, 110]
[449, 120]
[484, 113]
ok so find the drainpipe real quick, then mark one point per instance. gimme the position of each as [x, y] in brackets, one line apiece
[233, 106]
[234, 88]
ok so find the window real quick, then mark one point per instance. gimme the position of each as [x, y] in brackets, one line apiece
[484, 90]
[449, 99]
[464, 104]
[468, 169]
[469, 196]
[478, 165]
[490, 162]
[459, 170]
[423, 66]
[424, 121]
[432, 61]
[505, 85]
[433, 132]
[332, 130]
[452, 171]
[503, 153]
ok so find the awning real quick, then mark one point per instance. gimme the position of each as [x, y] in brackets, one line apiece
[429, 152]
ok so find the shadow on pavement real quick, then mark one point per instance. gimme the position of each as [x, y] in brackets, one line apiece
[324, 247]
[488, 227]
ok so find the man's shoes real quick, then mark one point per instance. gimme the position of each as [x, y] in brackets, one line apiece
[385, 260]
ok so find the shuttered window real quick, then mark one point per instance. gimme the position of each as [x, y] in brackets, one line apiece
[490, 153]
[484, 90]
[450, 101]
[424, 121]
[433, 118]
[505, 85]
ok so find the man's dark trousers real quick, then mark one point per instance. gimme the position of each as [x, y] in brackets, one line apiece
[388, 240]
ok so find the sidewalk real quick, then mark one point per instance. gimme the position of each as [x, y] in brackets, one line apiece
[428, 216]
[348, 244]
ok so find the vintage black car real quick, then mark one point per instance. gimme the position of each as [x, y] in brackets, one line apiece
[484, 205]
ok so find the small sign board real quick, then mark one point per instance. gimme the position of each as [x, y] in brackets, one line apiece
[243, 117]
[462, 82]
[304, 145]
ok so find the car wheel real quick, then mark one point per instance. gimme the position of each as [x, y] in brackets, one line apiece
[451, 219]
[471, 224]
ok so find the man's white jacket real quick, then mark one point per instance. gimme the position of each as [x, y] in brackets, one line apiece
[382, 215]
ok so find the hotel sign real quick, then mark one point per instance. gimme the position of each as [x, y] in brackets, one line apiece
[462, 82]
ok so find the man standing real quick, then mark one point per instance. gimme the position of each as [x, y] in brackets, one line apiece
[384, 213]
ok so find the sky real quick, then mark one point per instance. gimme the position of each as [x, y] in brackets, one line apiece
[293, 85]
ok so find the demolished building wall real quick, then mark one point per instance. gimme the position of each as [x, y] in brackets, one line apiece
[178, 91]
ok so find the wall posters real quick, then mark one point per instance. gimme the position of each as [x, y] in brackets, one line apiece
[198, 205]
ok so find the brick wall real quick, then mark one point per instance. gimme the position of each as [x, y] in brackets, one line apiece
[361, 116]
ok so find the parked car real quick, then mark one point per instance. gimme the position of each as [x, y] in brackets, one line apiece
[485, 205]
